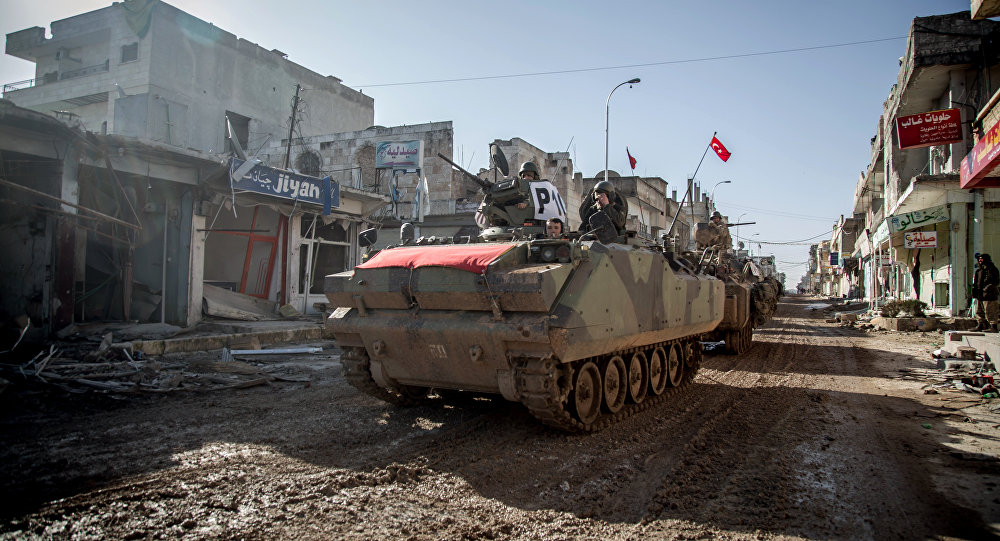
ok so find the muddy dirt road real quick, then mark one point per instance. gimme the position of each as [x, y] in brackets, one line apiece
[815, 434]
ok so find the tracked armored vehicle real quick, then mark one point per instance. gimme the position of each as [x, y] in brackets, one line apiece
[752, 292]
[583, 330]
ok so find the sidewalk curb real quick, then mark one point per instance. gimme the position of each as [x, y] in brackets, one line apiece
[219, 341]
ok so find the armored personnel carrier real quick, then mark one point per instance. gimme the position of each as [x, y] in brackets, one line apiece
[752, 292]
[583, 329]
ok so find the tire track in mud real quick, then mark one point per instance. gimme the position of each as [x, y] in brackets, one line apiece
[732, 462]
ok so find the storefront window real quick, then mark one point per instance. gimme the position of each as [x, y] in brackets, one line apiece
[325, 250]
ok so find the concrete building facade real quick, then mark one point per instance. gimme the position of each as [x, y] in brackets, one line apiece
[160, 74]
[917, 224]
[151, 102]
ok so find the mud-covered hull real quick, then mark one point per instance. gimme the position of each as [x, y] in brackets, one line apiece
[435, 326]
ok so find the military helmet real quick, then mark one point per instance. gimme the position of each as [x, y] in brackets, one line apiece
[605, 186]
[717, 214]
[529, 166]
[406, 231]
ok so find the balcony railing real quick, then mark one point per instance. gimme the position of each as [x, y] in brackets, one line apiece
[81, 72]
[55, 76]
[10, 87]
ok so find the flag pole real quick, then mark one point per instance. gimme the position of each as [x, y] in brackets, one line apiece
[630, 158]
[670, 231]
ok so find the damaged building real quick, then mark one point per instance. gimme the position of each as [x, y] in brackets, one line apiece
[116, 170]
[158, 168]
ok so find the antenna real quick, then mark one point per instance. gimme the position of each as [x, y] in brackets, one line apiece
[570, 143]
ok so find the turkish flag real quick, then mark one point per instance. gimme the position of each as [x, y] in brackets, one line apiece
[720, 149]
[631, 160]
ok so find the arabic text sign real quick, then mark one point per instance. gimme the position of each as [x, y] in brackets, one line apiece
[918, 218]
[286, 184]
[927, 129]
[920, 239]
[981, 160]
[398, 154]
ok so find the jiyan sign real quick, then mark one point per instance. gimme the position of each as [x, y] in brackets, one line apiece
[920, 239]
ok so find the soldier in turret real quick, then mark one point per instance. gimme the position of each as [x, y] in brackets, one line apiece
[605, 198]
[720, 232]
[529, 171]
[406, 234]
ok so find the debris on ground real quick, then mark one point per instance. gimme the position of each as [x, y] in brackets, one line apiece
[120, 370]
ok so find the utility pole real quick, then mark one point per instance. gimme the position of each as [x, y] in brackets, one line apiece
[291, 126]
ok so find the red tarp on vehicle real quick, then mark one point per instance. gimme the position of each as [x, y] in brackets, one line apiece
[468, 257]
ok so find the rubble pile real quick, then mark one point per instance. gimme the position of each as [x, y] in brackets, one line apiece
[119, 370]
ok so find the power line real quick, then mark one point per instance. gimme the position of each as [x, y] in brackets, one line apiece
[624, 66]
[782, 213]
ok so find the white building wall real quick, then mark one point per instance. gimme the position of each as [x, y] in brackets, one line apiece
[189, 72]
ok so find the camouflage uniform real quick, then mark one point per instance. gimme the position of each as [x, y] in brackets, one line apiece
[720, 235]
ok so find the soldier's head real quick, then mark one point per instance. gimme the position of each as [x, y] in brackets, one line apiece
[553, 228]
[605, 188]
[529, 170]
[406, 232]
[716, 217]
[985, 259]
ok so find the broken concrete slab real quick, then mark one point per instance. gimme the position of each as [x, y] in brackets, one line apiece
[906, 323]
[220, 302]
[986, 343]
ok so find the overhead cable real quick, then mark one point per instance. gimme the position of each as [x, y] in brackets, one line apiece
[624, 66]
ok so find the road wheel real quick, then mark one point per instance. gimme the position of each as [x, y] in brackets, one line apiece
[638, 377]
[615, 384]
[587, 393]
[738, 341]
[657, 371]
[675, 366]
[747, 338]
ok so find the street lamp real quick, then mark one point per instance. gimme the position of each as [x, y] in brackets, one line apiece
[738, 221]
[607, 115]
[712, 198]
[751, 246]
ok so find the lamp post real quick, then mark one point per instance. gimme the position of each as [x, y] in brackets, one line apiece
[739, 220]
[712, 198]
[751, 247]
[607, 116]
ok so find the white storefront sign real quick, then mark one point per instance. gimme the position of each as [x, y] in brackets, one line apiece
[920, 239]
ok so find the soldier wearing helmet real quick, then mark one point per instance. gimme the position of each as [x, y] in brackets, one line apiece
[720, 232]
[605, 198]
[529, 171]
[406, 234]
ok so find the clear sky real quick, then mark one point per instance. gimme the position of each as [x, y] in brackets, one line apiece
[798, 123]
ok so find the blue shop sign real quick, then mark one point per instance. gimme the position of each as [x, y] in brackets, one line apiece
[287, 185]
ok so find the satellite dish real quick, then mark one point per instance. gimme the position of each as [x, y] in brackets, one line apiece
[498, 159]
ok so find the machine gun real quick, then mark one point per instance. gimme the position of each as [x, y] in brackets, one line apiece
[502, 197]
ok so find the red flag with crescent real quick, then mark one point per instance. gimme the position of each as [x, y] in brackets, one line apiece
[720, 149]
[631, 160]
